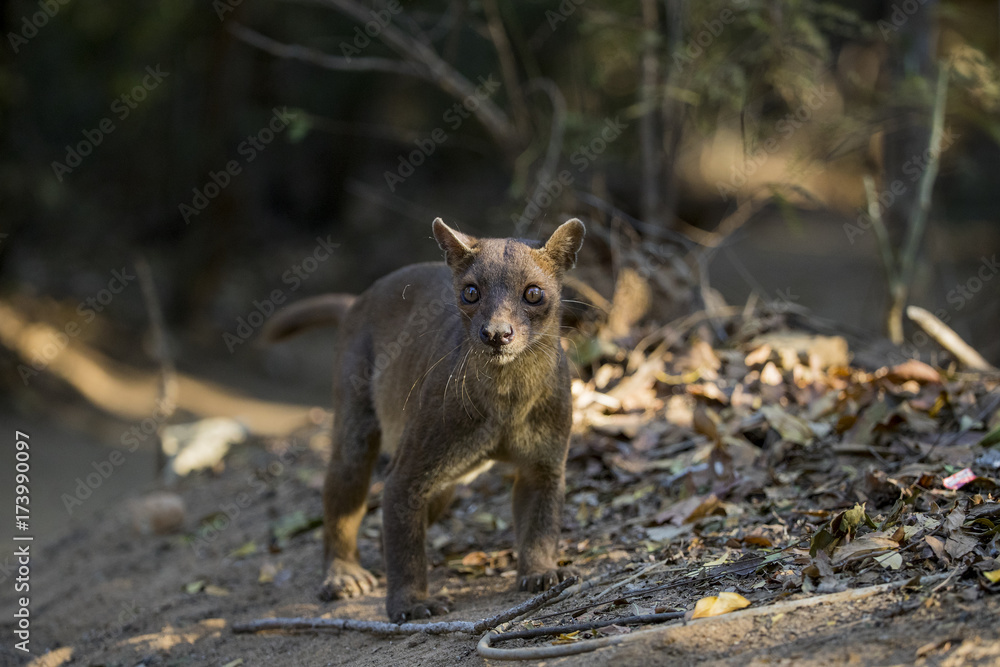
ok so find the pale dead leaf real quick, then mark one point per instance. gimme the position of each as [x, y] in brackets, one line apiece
[770, 375]
[758, 356]
[723, 603]
[890, 561]
[790, 428]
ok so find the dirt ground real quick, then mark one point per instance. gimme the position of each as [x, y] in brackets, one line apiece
[108, 596]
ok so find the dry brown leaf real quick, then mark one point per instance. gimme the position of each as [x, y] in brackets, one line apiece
[914, 370]
[956, 518]
[862, 546]
[723, 603]
[475, 559]
[706, 422]
[937, 546]
[958, 544]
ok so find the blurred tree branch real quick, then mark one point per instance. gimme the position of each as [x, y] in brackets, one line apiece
[320, 59]
[437, 70]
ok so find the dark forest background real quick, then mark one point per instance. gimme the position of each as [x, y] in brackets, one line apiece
[736, 138]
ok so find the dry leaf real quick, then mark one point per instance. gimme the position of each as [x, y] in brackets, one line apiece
[790, 428]
[268, 571]
[862, 546]
[770, 375]
[993, 576]
[476, 559]
[958, 544]
[937, 546]
[720, 604]
[890, 561]
[914, 370]
[758, 356]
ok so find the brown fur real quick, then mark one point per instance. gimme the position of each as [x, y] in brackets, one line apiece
[447, 386]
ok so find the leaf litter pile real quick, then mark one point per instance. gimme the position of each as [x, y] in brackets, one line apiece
[768, 469]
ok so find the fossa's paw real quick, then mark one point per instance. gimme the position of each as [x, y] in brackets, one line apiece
[345, 579]
[543, 581]
[420, 608]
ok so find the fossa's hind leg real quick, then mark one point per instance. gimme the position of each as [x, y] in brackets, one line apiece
[356, 443]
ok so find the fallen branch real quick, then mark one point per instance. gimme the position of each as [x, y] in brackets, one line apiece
[486, 649]
[383, 628]
[948, 339]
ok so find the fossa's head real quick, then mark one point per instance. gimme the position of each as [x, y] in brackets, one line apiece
[509, 289]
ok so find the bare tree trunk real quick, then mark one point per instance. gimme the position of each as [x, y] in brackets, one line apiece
[907, 136]
[649, 135]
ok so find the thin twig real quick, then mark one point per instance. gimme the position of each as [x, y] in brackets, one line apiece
[168, 386]
[508, 64]
[948, 339]
[881, 233]
[383, 628]
[646, 570]
[918, 220]
[642, 619]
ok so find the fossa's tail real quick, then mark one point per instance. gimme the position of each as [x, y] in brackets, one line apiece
[317, 311]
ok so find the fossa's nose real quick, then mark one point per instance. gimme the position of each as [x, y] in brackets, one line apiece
[497, 335]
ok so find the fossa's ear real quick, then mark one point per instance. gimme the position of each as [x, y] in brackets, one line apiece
[565, 242]
[459, 248]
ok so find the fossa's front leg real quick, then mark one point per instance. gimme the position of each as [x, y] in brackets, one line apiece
[538, 501]
[404, 530]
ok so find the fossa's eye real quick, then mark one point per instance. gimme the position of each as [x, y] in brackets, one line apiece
[470, 294]
[533, 294]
